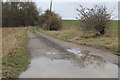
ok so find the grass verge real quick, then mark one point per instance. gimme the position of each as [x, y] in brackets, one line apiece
[32, 29]
[15, 59]
[72, 33]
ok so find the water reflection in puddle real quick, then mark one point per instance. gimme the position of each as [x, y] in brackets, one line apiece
[85, 57]
[47, 68]
[51, 53]
[76, 51]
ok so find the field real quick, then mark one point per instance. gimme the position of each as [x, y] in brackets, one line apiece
[15, 59]
[72, 32]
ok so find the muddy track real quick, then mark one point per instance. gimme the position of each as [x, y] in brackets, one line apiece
[63, 46]
[46, 51]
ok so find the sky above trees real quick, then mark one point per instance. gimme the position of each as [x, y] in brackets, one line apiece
[67, 8]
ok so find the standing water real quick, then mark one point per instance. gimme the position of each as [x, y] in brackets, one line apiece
[47, 61]
[59, 68]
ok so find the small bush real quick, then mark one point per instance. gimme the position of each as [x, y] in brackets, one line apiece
[94, 20]
[55, 23]
[50, 21]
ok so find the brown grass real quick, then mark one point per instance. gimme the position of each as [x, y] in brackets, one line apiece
[73, 33]
[10, 38]
[76, 36]
[0, 52]
[14, 57]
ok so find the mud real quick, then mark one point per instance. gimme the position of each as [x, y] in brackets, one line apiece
[53, 58]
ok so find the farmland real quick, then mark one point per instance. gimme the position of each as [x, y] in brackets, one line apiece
[73, 33]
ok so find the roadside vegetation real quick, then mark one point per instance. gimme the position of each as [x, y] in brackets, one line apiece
[32, 29]
[17, 14]
[0, 52]
[50, 21]
[14, 57]
[95, 21]
[16, 17]
[94, 27]
[71, 32]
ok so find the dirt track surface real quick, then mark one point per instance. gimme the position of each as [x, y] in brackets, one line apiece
[43, 47]
[51, 44]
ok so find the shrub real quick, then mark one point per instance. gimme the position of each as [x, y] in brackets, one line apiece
[55, 23]
[50, 21]
[95, 19]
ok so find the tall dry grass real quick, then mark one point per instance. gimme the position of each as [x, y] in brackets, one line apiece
[78, 37]
[10, 38]
[14, 57]
[0, 42]
[0, 52]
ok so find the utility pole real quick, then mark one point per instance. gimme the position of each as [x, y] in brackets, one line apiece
[50, 14]
[51, 6]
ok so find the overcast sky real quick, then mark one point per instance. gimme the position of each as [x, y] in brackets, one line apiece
[67, 8]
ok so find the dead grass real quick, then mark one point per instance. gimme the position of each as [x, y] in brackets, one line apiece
[6, 31]
[10, 38]
[73, 33]
[0, 42]
[76, 36]
[0, 52]
[14, 57]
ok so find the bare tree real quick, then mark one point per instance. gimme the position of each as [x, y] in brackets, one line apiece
[95, 19]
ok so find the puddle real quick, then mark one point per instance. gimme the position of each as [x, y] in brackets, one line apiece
[51, 53]
[87, 57]
[65, 65]
[47, 68]
[76, 51]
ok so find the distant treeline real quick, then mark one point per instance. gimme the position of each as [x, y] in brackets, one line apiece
[16, 14]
